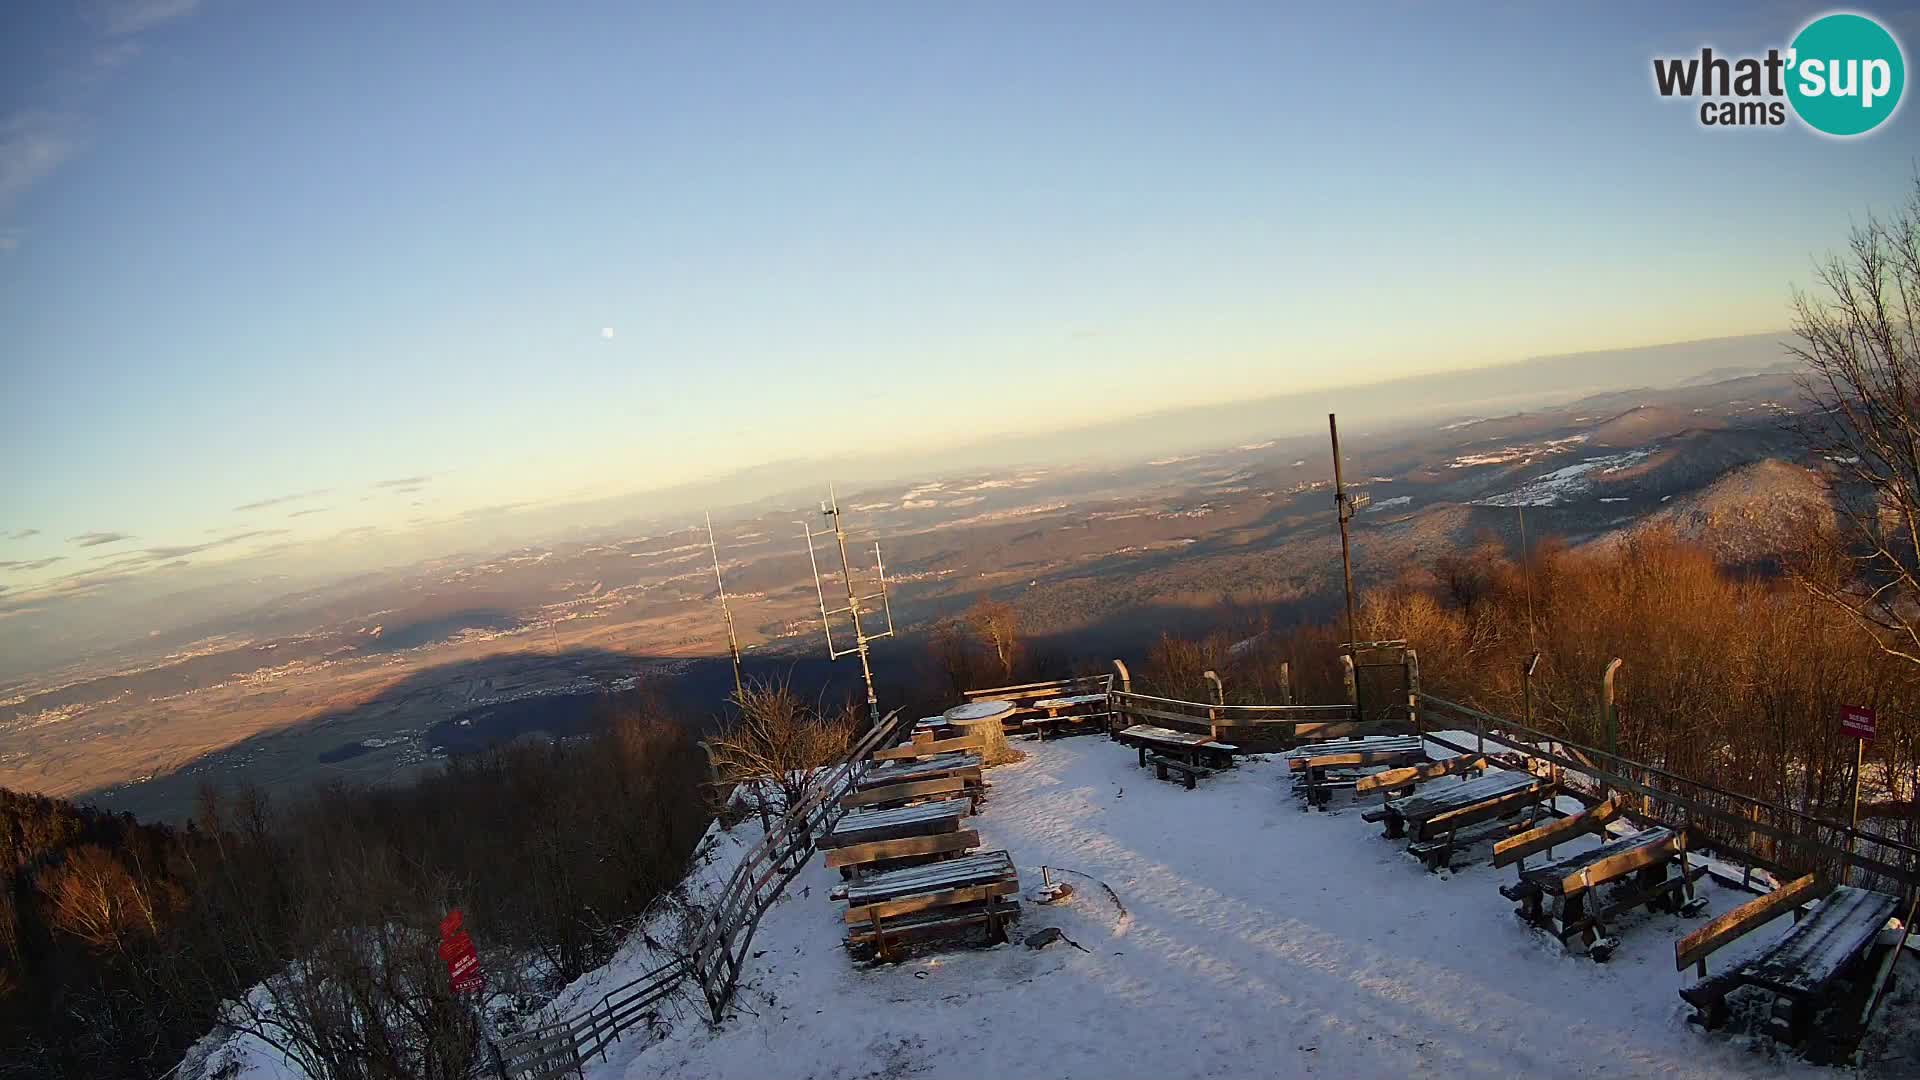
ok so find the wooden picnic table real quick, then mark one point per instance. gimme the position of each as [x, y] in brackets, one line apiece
[1823, 962]
[1187, 746]
[936, 897]
[1299, 755]
[866, 826]
[1562, 897]
[936, 726]
[1071, 709]
[1438, 822]
[954, 762]
[1314, 765]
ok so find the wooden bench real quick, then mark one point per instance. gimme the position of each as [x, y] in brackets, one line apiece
[926, 819]
[1313, 766]
[1189, 772]
[1833, 962]
[1562, 897]
[1440, 822]
[1405, 779]
[919, 901]
[924, 745]
[1186, 746]
[964, 765]
[856, 859]
[914, 791]
[1083, 711]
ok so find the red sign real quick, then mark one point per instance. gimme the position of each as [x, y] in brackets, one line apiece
[1857, 721]
[463, 963]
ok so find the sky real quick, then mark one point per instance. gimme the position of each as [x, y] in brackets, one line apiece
[280, 273]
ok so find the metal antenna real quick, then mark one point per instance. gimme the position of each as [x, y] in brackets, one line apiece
[831, 510]
[1344, 506]
[733, 641]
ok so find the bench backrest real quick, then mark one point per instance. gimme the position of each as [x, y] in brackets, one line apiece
[1697, 946]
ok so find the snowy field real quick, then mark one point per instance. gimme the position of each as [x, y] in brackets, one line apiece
[1250, 938]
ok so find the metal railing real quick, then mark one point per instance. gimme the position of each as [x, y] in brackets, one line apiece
[727, 932]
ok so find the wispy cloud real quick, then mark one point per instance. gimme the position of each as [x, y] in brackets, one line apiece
[178, 551]
[135, 16]
[279, 499]
[35, 564]
[310, 510]
[23, 534]
[95, 539]
[32, 145]
[402, 482]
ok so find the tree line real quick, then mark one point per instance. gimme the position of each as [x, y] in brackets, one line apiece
[313, 924]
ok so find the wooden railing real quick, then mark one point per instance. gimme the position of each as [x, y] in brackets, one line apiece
[1286, 721]
[727, 932]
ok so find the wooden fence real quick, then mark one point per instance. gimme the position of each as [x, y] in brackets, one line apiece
[717, 954]
[1287, 722]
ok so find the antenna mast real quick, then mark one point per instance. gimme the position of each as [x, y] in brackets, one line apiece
[831, 510]
[733, 640]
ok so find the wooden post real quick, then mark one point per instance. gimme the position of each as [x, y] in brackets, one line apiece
[1126, 680]
[1286, 682]
[1353, 683]
[1219, 698]
[1412, 662]
[1853, 818]
[1610, 715]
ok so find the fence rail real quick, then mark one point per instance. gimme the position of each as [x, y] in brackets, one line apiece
[715, 960]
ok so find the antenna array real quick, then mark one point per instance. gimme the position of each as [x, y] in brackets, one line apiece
[830, 509]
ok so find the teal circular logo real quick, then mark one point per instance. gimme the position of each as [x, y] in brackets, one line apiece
[1845, 74]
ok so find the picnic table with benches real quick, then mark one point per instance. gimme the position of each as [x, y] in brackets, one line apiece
[1319, 768]
[1826, 974]
[1563, 896]
[1075, 710]
[925, 819]
[1169, 753]
[1440, 821]
[890, 908]
[962, 763]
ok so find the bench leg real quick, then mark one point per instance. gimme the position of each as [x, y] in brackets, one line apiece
[1189, 776]
[1143, 756]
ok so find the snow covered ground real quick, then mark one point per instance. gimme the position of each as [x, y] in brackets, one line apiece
[1249, 938]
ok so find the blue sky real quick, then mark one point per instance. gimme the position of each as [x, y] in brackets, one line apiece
[287, 254]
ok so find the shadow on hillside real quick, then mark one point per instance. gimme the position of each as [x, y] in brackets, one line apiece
[413, 724]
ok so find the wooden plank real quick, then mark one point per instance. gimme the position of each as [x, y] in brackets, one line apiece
[1413, 774]
[1703, 942]
[1611, 861]
[1844, 922]
[932, 923]
[1351, 759]
[1498, 806]
[862, 826]
[1553, 834]
[1461, 795]
[905, 848]
[929, 768]
[920, 748]
[970, 870]
[946, 785]
[907, 905]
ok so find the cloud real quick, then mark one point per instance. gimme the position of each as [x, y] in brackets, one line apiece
[278, 499]
[95, 539]
[32, 145]
[36, 564]
[310, 510]
[182, 550]
[135, 16]
[23, 534]
[403, 482]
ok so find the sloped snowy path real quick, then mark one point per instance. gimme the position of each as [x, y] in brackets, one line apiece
[1257, 939]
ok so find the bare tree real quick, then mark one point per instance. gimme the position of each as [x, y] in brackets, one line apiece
[1860, 341]
[779, 743]
[999, 624]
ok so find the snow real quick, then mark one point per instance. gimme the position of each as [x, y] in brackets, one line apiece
[1243, 936]
[1398, 500]
[1562, 484]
